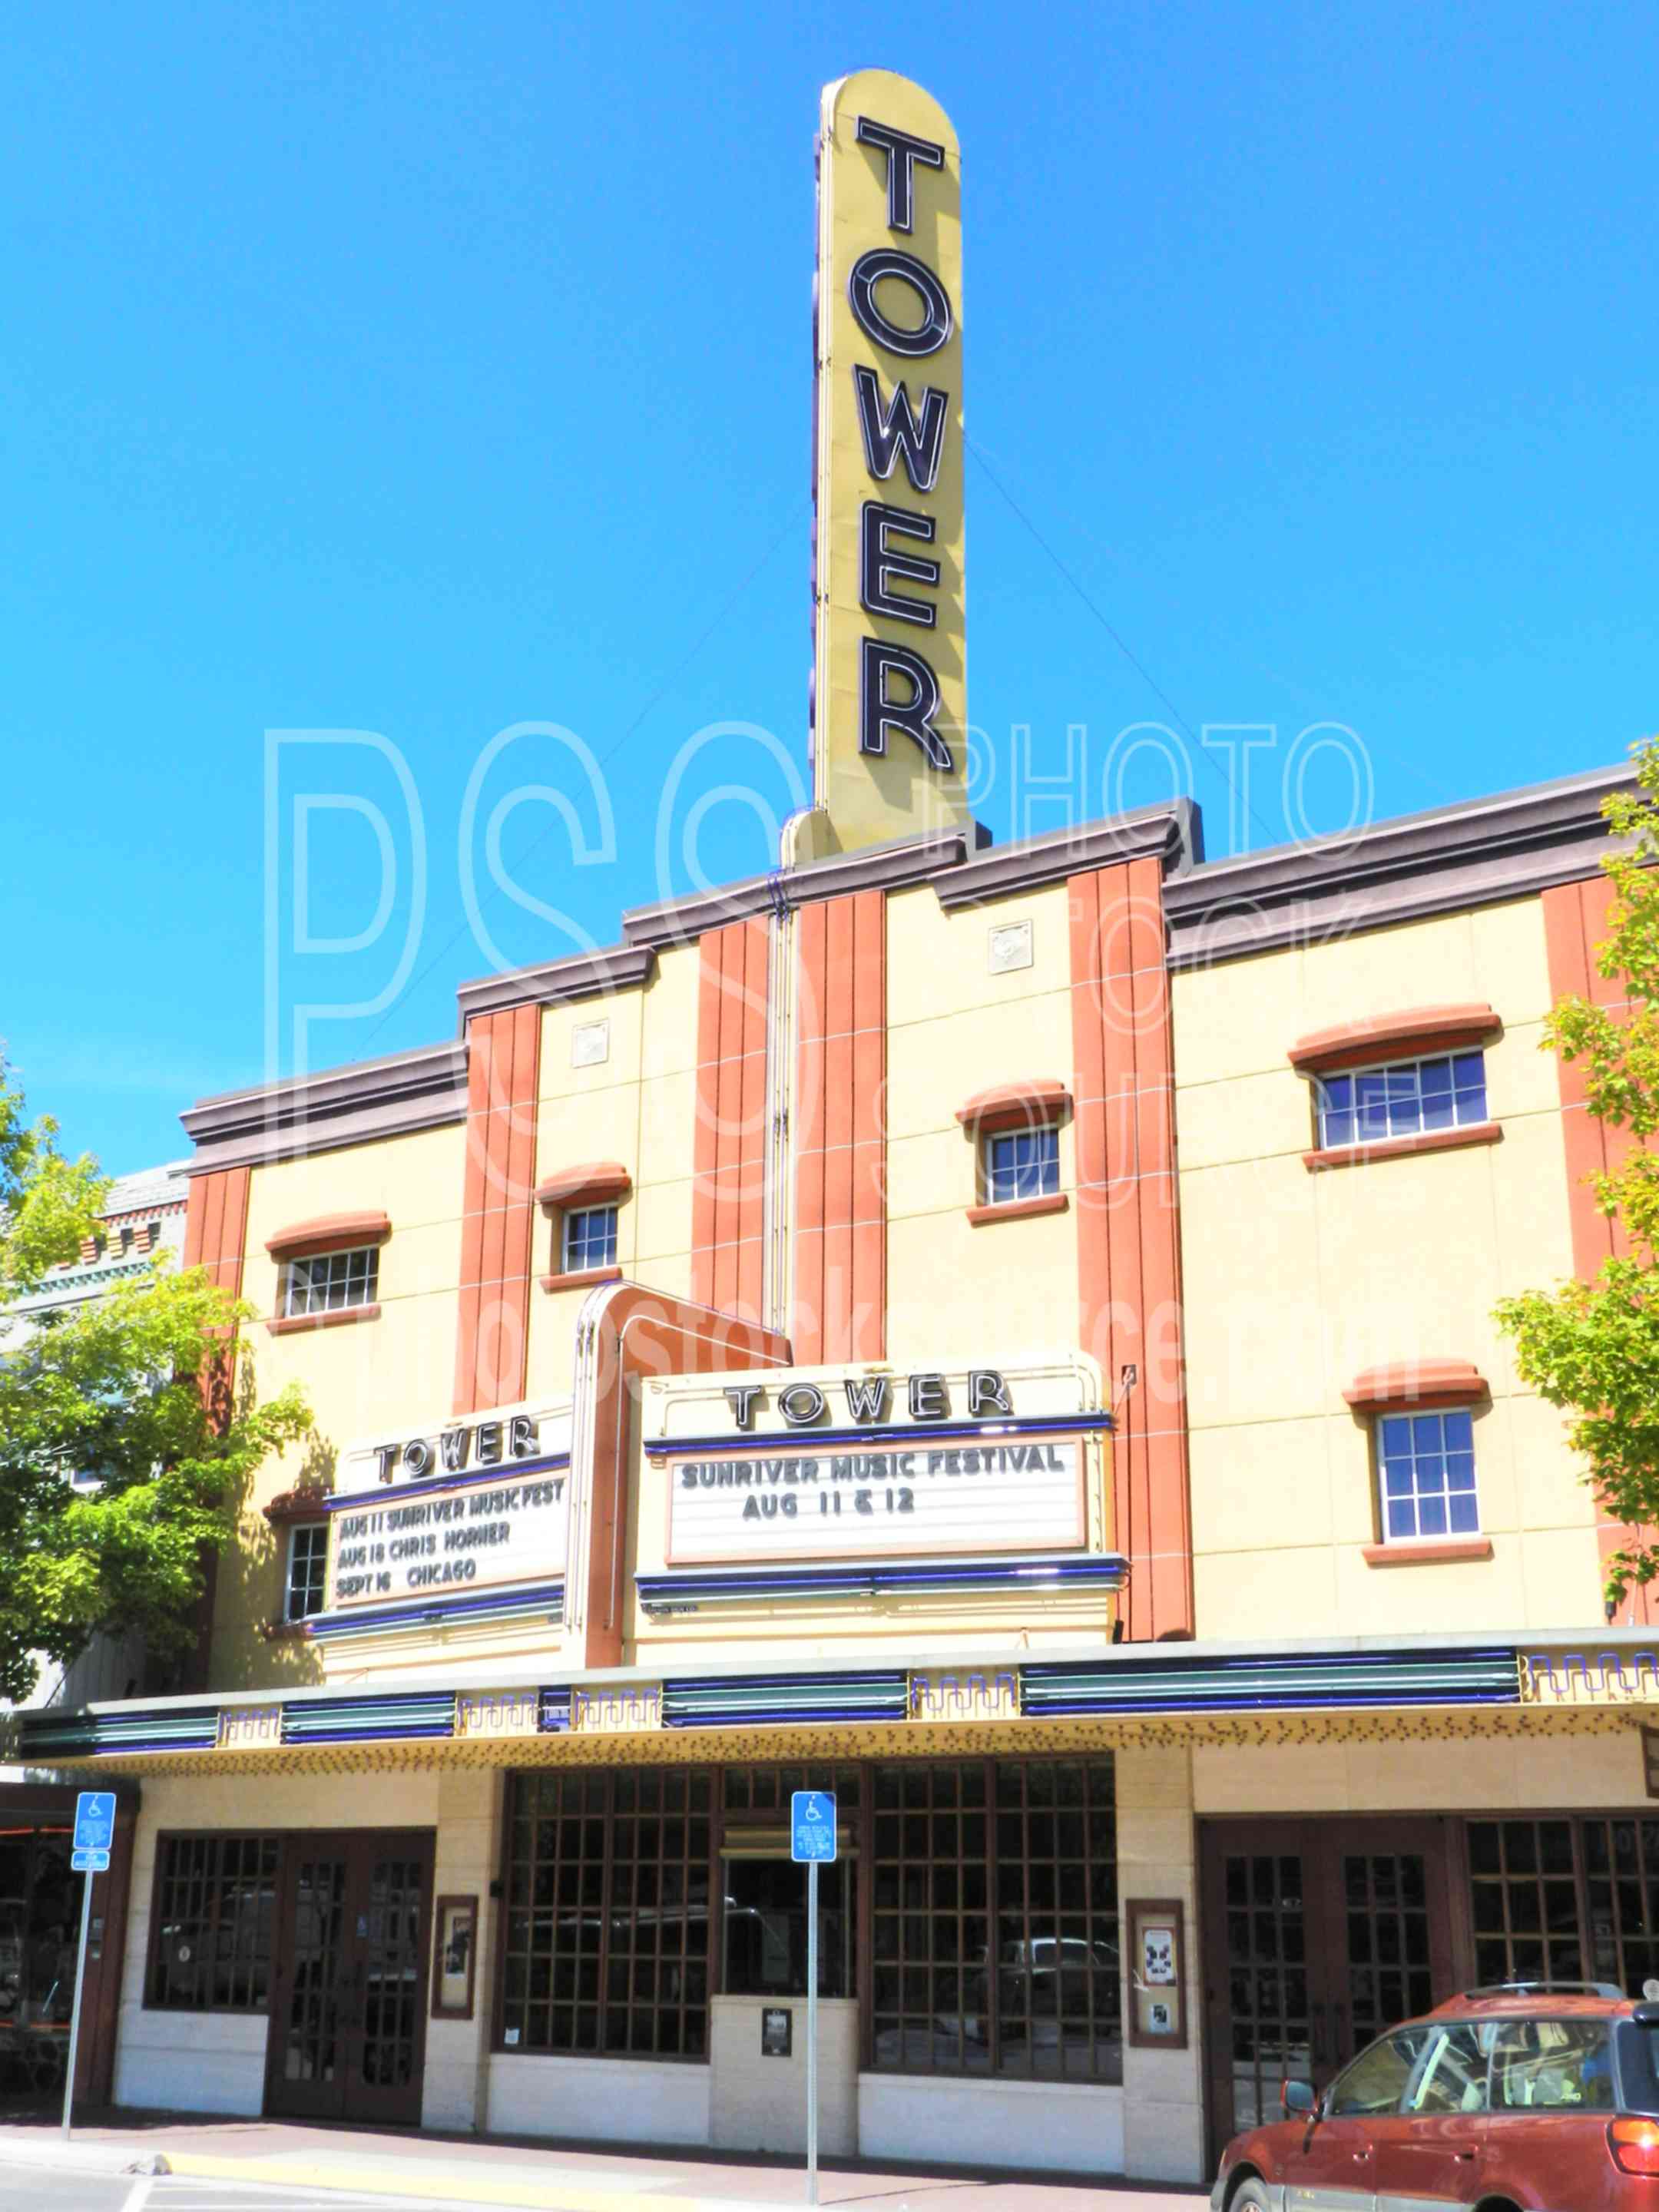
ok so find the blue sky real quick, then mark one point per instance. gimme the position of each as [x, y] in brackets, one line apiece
[425, 372]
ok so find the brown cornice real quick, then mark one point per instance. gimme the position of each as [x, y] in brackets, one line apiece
[590, 1184]
[360, 1104]
[1016, 1105]
[328, 1232]
[1418, 1383]
[1171, 833]
[598, 974]
[890, 867]
[1476, 854]
[1423, 1030]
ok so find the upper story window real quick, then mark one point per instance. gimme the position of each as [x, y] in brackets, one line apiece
[1022, 1164]
[1404, 1098]
[329, 1282]
[589, 1239]
[1425, 1470]
[307, 1570]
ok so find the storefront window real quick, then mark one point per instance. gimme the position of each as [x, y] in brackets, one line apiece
[765, 1913]
[996, 1920]
[608, 1909]
[40, 1920]
[214, 1908]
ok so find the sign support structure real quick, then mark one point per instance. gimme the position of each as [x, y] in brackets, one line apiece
[95, 1833]
[812, 1839]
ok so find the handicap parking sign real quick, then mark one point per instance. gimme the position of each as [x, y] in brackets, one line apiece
[812, 1824]
[95, 1830]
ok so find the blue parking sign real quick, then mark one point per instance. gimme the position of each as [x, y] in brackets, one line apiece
[94, 1820]
[812, 1824]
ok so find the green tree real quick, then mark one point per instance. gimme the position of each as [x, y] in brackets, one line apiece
[137, 1388]
[1592, 1348]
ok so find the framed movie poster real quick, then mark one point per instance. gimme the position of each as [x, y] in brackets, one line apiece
[1157, 1972]
[454, 1958]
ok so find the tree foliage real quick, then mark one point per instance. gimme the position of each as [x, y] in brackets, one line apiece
[1592, 1348]
[121, 1387]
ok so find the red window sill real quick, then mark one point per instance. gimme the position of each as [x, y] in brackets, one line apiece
[283, 1632]
[293, 1324]
[1396, 1148]
[584, 1278]
[1428, 1555]
[1018, 1209]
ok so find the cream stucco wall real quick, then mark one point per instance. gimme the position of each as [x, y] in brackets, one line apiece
[1295, 1282]
[955, 1029]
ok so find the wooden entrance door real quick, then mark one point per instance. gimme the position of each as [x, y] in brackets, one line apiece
[1319, 1936]
[348, 2032]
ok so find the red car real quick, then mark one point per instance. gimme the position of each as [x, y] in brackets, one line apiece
[1533, 2098]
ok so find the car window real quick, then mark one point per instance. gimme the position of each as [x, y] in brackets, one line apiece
[1639, 2066]
[1451, 2076]
[1376, 2081]
[1550, 2065]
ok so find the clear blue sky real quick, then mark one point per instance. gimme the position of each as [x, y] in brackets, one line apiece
[424, 370]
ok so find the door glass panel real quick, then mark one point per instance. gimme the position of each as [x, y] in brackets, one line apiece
[389, 1932]
[1386, 1895]
[1453, 2074]
[1267, 1979]
[1524, 1901]
[1376, 2081]
[312, 2048]
[1550, 2065]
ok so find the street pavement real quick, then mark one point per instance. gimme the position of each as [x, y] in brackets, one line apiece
[170, 2165]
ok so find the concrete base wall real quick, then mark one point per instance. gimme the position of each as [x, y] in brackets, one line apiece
[624, 2100]
[1072, 2128]
[760, 2103]
[191, 2062]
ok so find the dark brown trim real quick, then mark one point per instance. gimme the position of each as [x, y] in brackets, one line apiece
[1017, 1209]
[1447, 860]
[293, 1324]
[1030, 1105]
[582, 1279]
[1171, 835]
[439, 1905]
[1432, 1554]
[328, 1232]
[1421, 1031]
[895, 865]
[601, 975]
[295, 1505]
[1400, 1148]
[361, 1104]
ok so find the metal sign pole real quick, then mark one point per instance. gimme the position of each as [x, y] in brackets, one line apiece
[86, 1881]
[812, 2030]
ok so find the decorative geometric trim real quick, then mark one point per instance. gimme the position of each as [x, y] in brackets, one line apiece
[1422, 1030]
[328, 1232]
[593, 1183]
[545, 1601]
[1400, 1148]
[1291, 1681]
[1420, 1382]
[1017, 1209]
[294, 1324]
[750, 1586]
[1438, 1554]
[918, 1432]
[1029, 1105]
[883, 1696]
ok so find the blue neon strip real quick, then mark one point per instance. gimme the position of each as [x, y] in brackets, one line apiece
[774, 1698]
[196, 1730]
[1109, 1569]
[918, 1434]
[388, 1495]
[422, 1613]
[1296, 1681]
[553, 1713]
[370, 1720]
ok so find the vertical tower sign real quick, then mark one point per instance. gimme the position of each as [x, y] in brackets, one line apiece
[889, 694]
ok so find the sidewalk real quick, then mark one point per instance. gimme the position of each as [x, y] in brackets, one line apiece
[560, 2176]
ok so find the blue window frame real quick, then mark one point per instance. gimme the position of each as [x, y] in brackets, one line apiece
[1425, 1465]
[1404, 1099]
[1026, 1164]
[590, 1239]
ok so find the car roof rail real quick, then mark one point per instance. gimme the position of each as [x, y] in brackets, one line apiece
[1545, 1989]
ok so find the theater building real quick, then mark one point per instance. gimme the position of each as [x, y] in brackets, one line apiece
[1004, 1334]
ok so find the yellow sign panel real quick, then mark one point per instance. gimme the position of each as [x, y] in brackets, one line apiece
[890, 696]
